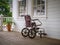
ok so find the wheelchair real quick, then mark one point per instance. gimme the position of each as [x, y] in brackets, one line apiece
[31, 28]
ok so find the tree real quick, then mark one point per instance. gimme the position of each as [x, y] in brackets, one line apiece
[5, 8]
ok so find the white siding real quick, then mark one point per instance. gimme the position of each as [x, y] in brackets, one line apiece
[53, 20]
[19, 21]
[52, 23]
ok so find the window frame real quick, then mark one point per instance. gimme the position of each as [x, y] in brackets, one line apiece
[21, 7]
[42, 16]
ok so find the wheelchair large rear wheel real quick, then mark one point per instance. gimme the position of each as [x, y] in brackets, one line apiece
[25, 32]
[32, 34]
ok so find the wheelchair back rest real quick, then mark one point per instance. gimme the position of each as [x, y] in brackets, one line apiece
[28, 21]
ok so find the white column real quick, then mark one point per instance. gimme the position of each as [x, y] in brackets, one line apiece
[15, 8]
[29, 7]
[15, 13]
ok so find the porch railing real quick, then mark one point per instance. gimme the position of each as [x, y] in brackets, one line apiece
[6, 19]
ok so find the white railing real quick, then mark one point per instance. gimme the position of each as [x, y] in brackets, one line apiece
[5, 19]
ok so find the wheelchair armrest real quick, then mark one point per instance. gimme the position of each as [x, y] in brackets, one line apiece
[34, 19]
[38, 21]
[38, 25]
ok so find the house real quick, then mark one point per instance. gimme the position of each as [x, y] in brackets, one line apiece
[48, 13]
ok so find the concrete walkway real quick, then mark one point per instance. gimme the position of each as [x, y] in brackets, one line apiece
[15, 38]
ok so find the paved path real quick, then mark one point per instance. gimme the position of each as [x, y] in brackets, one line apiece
[15, 38]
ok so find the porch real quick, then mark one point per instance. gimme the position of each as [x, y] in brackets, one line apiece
[15, 38]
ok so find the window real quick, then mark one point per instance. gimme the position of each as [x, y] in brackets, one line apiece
[22, 7]
[39, 7]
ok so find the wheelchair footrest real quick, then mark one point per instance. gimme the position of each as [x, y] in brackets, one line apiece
[44, 34]
[37, 28]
